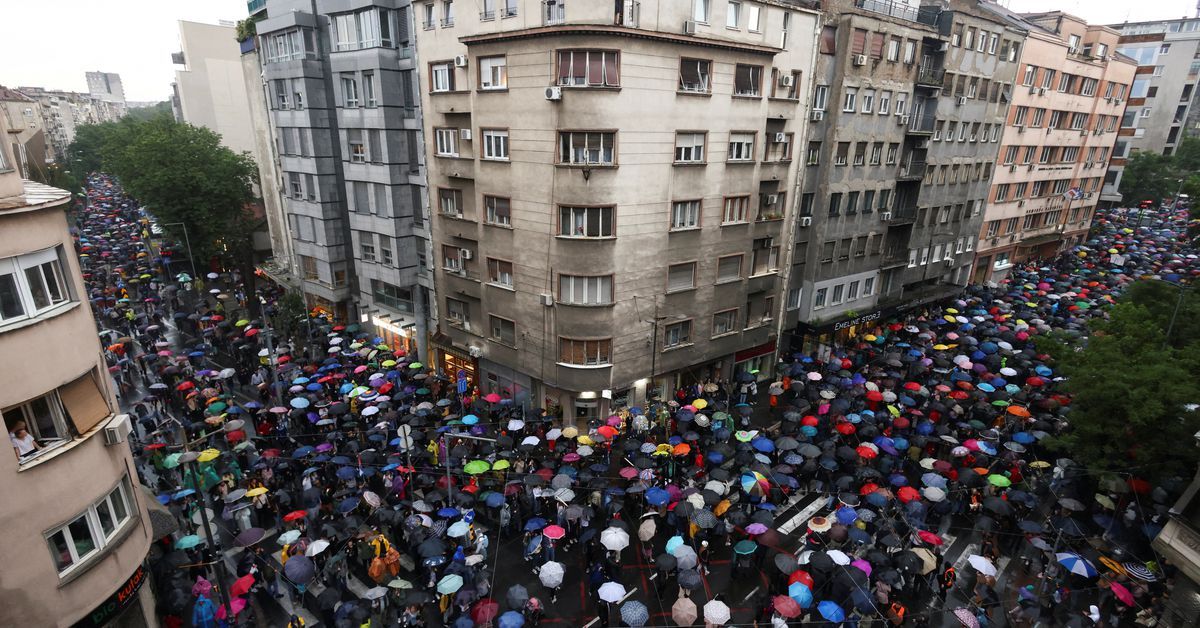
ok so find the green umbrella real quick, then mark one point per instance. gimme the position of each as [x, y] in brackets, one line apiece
[1000, 402]
[171, 461]
[475, 467]
[977, 424]
[745, 546]
[422, 391]
[416, 365]
[996, 479]
[217, 407]
[501, 465]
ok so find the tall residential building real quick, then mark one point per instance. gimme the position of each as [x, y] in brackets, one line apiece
[341, 88]
[211, 87]
[75, 520]
[1160, 111]
[1056, 143]
[26, 130]
[613, 215]
[63, 111]
[106, 86]
[890, 192]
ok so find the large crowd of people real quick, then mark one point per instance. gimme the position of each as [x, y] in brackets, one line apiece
[340, 479]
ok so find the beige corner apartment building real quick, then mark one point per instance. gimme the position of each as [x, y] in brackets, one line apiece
[75, 527]
[1057, 142]
[612, 189]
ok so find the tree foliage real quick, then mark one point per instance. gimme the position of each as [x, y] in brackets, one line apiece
[162, 108]
[1130, 395]
[1153, 176]
[196, 188]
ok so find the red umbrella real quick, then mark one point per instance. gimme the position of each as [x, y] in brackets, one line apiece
[786, 606]
[1122, 593]
[907, 494]
[1139, 486]
[845, 428]
[607, 431]
[810, 420]
[553, 532]
[868, 488]
[252, 332]
[930, 537]
[874, 395]
[484, 611]
[185, 386]
[491, 398]
[913, 386]
[294, 515]
[866, 452]
[242, 585]
[900, 423]
[153, 446]
[801, 576]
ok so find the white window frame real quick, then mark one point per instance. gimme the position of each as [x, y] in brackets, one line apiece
[593, 290]
[441, 77]
[850, 100]
[446, 144]
[735, 210]
[689, 147]
[495, 144]
[741, 146]
[677, 334]
[885, 102]
[868, 101]
[587, 148]
[91, 516]
[820, 97]
[574, 218]
[493, 73]
[733, 14]
[494, 217]
[20, 267]
[685, 215]
[350, 94]
[725, 322]
[700, 11]
[499, 277]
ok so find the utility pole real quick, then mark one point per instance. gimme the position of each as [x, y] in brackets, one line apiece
[191, 458]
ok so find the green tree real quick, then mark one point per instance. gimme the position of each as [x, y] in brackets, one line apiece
[187, 180]
[1130, 396]
[1148, 175]
[153, 111]
[290, 312]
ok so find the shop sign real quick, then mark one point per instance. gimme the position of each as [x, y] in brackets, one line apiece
[110, 608]
[858, 320]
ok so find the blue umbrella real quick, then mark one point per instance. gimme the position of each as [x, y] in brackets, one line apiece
[831, 611]
[537, 523]
[345, 473]
[184, 493]
[494, 500]
[470, 419]
[634, 613]
[446, 513]
[188, 542]
[343, 460]
[299, 403]
[846, 515]
[1023, 437]
[657, 496]
[763, 444]
[511, 619]
[673, 543]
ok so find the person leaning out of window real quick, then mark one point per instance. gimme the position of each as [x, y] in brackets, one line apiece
[22, 441]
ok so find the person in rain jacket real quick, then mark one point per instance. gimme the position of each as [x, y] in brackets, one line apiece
[204, 613]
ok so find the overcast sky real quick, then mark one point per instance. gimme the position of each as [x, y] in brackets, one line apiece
[51, 43]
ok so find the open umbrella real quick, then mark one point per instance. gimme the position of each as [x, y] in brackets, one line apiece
[614, 539]
[684, 612]
[634, 613]
[716, 612]
[1076, 564]
[551, 574]
[982, 564]
[612, 592]
[449, 584]
[831, 611]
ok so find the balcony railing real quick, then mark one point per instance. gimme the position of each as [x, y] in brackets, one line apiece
[554, 12]
[902, 216]
[900, 9]
[922, 124]
[912, 170]
[931, 76]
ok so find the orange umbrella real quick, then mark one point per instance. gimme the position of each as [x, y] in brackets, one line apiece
[682, 449]
[1020, 411]
[607, 431]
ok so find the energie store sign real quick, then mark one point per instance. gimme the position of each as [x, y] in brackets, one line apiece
[110, 608]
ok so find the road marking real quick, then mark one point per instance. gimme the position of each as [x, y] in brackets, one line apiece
[802, 517]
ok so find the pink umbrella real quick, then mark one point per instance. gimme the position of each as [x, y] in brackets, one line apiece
[629, 473]
[237, 604]
[202, 587]
[614, 421]
[571, 457]
[756, 528]
[1122, 593]
[553, 532]
[862, 565]
[491, 398]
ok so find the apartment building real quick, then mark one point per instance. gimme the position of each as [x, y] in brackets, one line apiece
[1159, 112]
[612, 190]
[27, 131]
[1057, 141]
[106, 86]
[341, 89]
[74, 515]
[210, 88]
[62, 112]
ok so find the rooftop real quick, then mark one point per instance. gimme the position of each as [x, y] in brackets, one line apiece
[7, 93]
[34, 196]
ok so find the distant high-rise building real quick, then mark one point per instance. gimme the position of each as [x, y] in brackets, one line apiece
[210, 87]
[106, 86]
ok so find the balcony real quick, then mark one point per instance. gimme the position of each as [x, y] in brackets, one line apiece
[921, 124]
[900, 216]
[901, 10]
[894, 257]
[912, 171]
[254, 6]
[931, 77]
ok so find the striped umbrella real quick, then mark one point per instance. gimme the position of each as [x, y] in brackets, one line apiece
[1139, 571]
[1076, 564]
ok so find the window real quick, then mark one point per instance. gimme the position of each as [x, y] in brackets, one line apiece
[366, 248]
[500, 272]
[586, 148]
[729, 268]
[287, 45]
[893, 49]
[820, 97]
[446, 142]
[850, 100]
[495, 144]
[689, 148]
[308, 268]
[357, 148]
[385, 252]
[852, 203]
[694, 75]
[586, 222]
[349, 91]
[588, 68]
[835, 203]
[876, 153]
[868, 101]
[741, 146]
[685, 215]
[452, 259]
[885, 197]
[910, 51]
[838, 292]
[733, 14]
[442, 77]
[700, 10]
[724, 322]
[828, 40]
[819, 298]
[885, 101]
[497, 210]
[450, 202]
[585, 352]
[901, 103]
[677, 334]
[493, 73]
[503, 330]
[31, 284]
[681, 276]
[747, 80]
[91, 531]
[814, 154]
[458, 313]
[580, 290]
[43, 417]
[892, 152]
[362, 29]
[1073, 44]
[736, 209]
[765, 259]
[447, 13]
[779, 148]
[369, 97]
[753, 19]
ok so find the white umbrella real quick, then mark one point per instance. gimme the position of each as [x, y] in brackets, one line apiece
[717, 487]
[227, 373]
[696, 499]
[531, 440]
[614, 539]
[982, 564]
[516, 424]
[316, 547]
[933, 493]
[839, 557]
[553, 434]
[716, 612]
[647, 530]
[612, 592]
[551, 574]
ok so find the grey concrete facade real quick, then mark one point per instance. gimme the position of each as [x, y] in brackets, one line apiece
[599, 224]
[344, 114]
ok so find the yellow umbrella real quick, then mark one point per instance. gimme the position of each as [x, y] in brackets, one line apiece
[870, 337]
[1039, 464]
[663, 450]
[387, 364]
[255, 492]
[208, 455]
[570, 432]
[585, 440]
[1113, 565]
[700, 404]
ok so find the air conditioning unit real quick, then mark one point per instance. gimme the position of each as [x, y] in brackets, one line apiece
[817, 116]
[786, 80]
[689, 27]
[885, 216]
[117, 430]
[944, 47]
[554, 93]
[772, 199]
[465, 254]
[548, 300]
[805, 221]
[962, 100]
[464, 134]
[902, 120]
[1116, 101]
[949, 261]
[860, 59]
[460, 61]
[780, 138]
